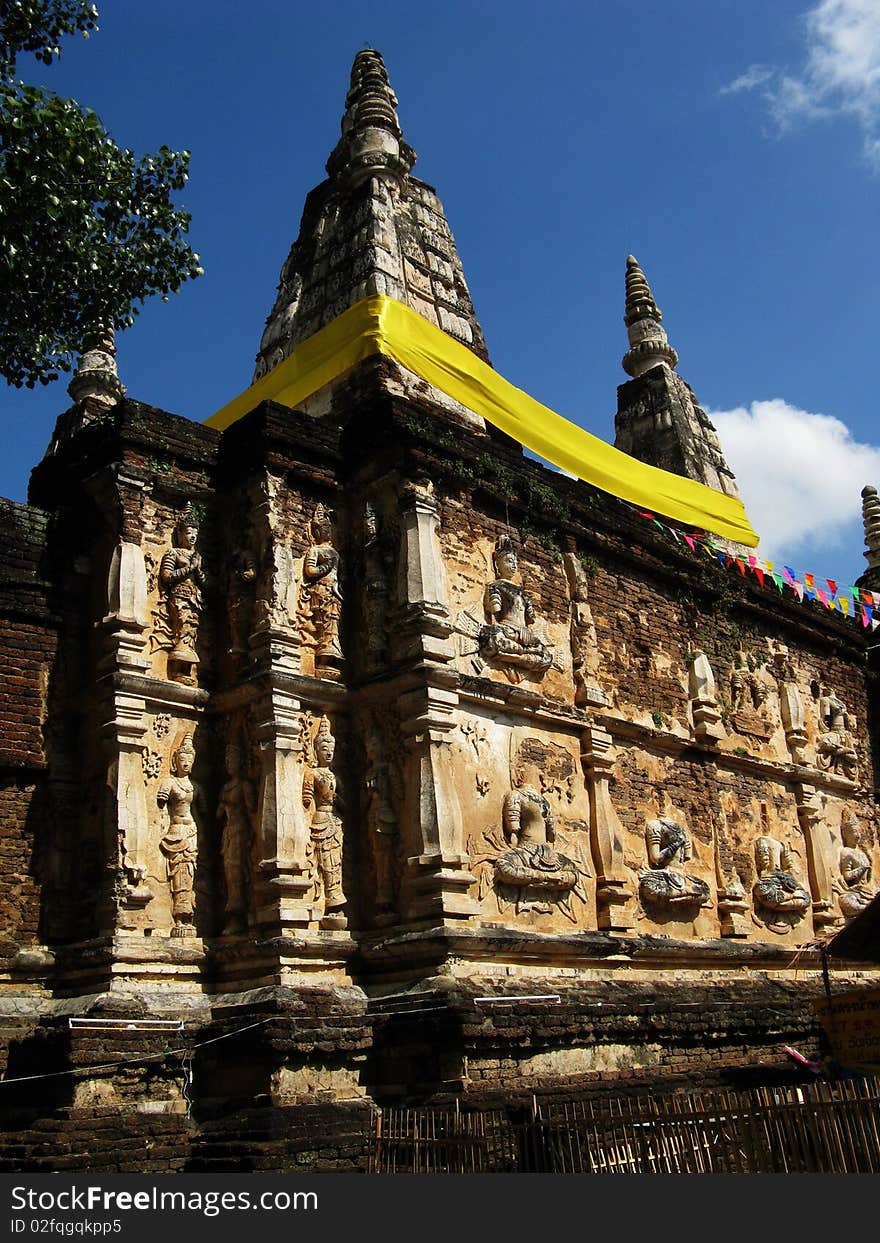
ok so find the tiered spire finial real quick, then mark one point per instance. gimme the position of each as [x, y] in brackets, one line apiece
[96, 378]
[372, 143]
[871, 519]
[648, 343]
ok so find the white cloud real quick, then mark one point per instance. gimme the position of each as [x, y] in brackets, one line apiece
[800, 476]
[840, 74]
[754, 76]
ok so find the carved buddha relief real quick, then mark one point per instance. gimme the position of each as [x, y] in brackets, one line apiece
[527, 869]
[780, 898]
[853, 886]
[508, 637]
[665, 886]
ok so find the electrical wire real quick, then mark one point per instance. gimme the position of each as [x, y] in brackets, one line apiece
[186, 1054]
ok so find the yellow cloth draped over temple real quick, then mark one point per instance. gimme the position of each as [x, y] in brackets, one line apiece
[382, 325]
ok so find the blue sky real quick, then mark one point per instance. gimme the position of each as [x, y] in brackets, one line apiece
[732, 146]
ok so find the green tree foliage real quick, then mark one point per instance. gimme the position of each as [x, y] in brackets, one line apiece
[88, 230]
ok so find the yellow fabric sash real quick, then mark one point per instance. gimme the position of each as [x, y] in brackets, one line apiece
[381, 325]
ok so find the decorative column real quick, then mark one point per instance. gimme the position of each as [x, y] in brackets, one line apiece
[125, 625]
[791, 709]
[582, 631]
[817, 839]
[437, 878]
[613, 885]
[706, 715]
[283, 881]
[733, 904]
[285, 875]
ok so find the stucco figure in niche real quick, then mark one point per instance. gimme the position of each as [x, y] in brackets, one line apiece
[179, 841]
[507, 638]
[665, 885]
[529, 871]
[582, 631]
[749, 693]
[703, 698]
[181, 581]
[320, 599]
[321, 801]
[853, 887]
[240, 602]
[780, 898]
[836, 748]
[377, 559]
[237, 817]
[384, 792]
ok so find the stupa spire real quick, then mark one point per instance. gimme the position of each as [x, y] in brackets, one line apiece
[96, 379]
[372, 141]
[370, 228]
[871, 520]
[648, 343]
[659, 420]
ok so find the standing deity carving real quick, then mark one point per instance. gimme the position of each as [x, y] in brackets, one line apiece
[836, 748]
[179, 840]
[582, 632]
[749, 693]
[240, 601]
[181, 581]
[854, 889]
[666, 885]
[780, 898]
[384, 791]
[320, 599]
[375, 588]
[321, 802]
[237, 817]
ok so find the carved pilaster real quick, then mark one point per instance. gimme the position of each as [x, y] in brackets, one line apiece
[124, 737]
[423, 626]
[613, 886]
[584, 644]
[127, 619]
[791, 708]
[438, 872]
[275, 641]
[704, 700]
[820, 867]
[285, 875]
[733, 904]
[437, 875]
[126, 623]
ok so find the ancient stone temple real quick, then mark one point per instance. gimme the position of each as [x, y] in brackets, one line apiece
[351, 756]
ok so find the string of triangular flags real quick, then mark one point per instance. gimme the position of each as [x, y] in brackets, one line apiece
[856, 602]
